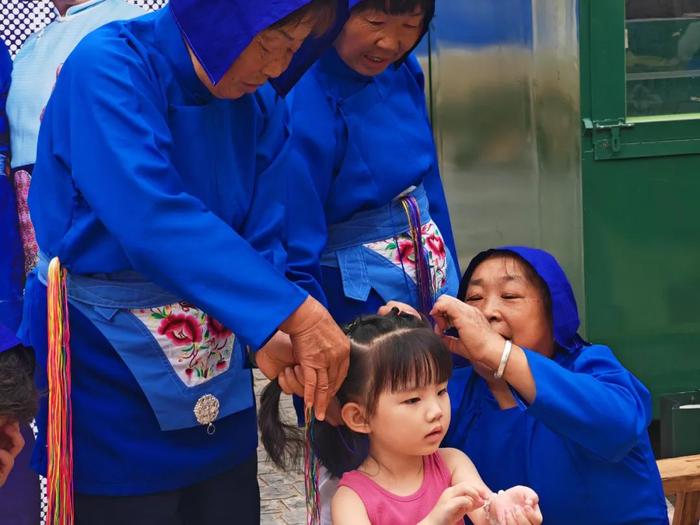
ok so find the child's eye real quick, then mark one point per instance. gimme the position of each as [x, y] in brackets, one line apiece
[442, 391]
[412, 401]
[376, 23]
[410, 26]
[509, 296]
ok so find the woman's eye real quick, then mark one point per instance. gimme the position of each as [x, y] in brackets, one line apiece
[509, 296]
[473, 298]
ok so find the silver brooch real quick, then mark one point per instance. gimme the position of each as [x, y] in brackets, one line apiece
[206, 410]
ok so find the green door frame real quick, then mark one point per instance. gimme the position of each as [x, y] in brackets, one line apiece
[608, 132]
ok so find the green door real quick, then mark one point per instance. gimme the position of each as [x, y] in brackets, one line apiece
[640, 104]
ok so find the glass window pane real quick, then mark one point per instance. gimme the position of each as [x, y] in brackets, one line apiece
[663, 57]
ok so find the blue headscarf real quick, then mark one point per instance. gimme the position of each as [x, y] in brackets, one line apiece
[565, 320]
[8, 340]
[218, 31]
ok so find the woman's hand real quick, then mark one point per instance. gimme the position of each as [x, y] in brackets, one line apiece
[322, 350]
[516, 506]
[11, 444]
[454, 503]
[275, 356]
[477, 341]
[291, 381]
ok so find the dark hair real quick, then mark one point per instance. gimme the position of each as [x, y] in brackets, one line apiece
[400, 7]
[18, 395]
[387, 353]
[530, 274]
[323, 10]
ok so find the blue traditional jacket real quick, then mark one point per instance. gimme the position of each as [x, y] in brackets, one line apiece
[164, 205]
[582, 445]
[365, 141]
[11, 260]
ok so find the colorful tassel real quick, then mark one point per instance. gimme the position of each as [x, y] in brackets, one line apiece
[311, 475]
[424, 281]
[60, 428]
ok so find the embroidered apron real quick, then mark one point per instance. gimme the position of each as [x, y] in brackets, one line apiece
[373, 249]
[189, 366]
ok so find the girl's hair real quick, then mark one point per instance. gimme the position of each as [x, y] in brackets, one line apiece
[323, 10]
[18, 395]
[387, 354]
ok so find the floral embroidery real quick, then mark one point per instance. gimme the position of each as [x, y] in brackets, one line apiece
[400, 251]
[198, 346]
[26, 229]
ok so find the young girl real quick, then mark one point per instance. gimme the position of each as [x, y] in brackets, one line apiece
[395, 410]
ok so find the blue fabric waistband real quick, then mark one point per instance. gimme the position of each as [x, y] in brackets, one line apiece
[375, 225]
[116, 290]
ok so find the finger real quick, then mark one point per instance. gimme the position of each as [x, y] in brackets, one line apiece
[309, 386]
[466, 489]
[510, 518]
[16, 439]
[296, 383]
[7, 461]
[299, 374]
[322, 394]
[283, 382]
[465, 504]
[534, 515]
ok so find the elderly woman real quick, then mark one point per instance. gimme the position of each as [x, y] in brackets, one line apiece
[368, 220]
[540, 406]
[154, 186]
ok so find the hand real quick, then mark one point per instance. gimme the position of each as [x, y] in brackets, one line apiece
[291, 381]
[322, 350]
[477, 341]
[516, 506]
[454, 503]
[11, 444]
[275, 356]
[402, 307]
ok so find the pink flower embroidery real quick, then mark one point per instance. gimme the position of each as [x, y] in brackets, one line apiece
[436, 245]
[405, 253]
[181, 329]
[216, 329]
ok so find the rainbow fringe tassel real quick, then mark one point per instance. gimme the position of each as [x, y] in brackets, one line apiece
[60, 429]
[311, 474]
[426, 295]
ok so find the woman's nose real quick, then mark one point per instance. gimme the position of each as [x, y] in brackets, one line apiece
[389, 43]
[277, 67]
[490, 308]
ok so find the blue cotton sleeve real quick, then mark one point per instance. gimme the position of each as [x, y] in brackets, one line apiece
[432, 182]
[106, 119]
[310, 168]
[5, 76]
[598, 404]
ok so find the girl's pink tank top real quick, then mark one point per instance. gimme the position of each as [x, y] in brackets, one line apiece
[385, 508]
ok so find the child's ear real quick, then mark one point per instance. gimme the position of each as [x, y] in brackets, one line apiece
[354, 418]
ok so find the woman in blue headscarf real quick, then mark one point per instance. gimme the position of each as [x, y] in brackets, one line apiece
[155, 190]
[368, 220]
[539, 406]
